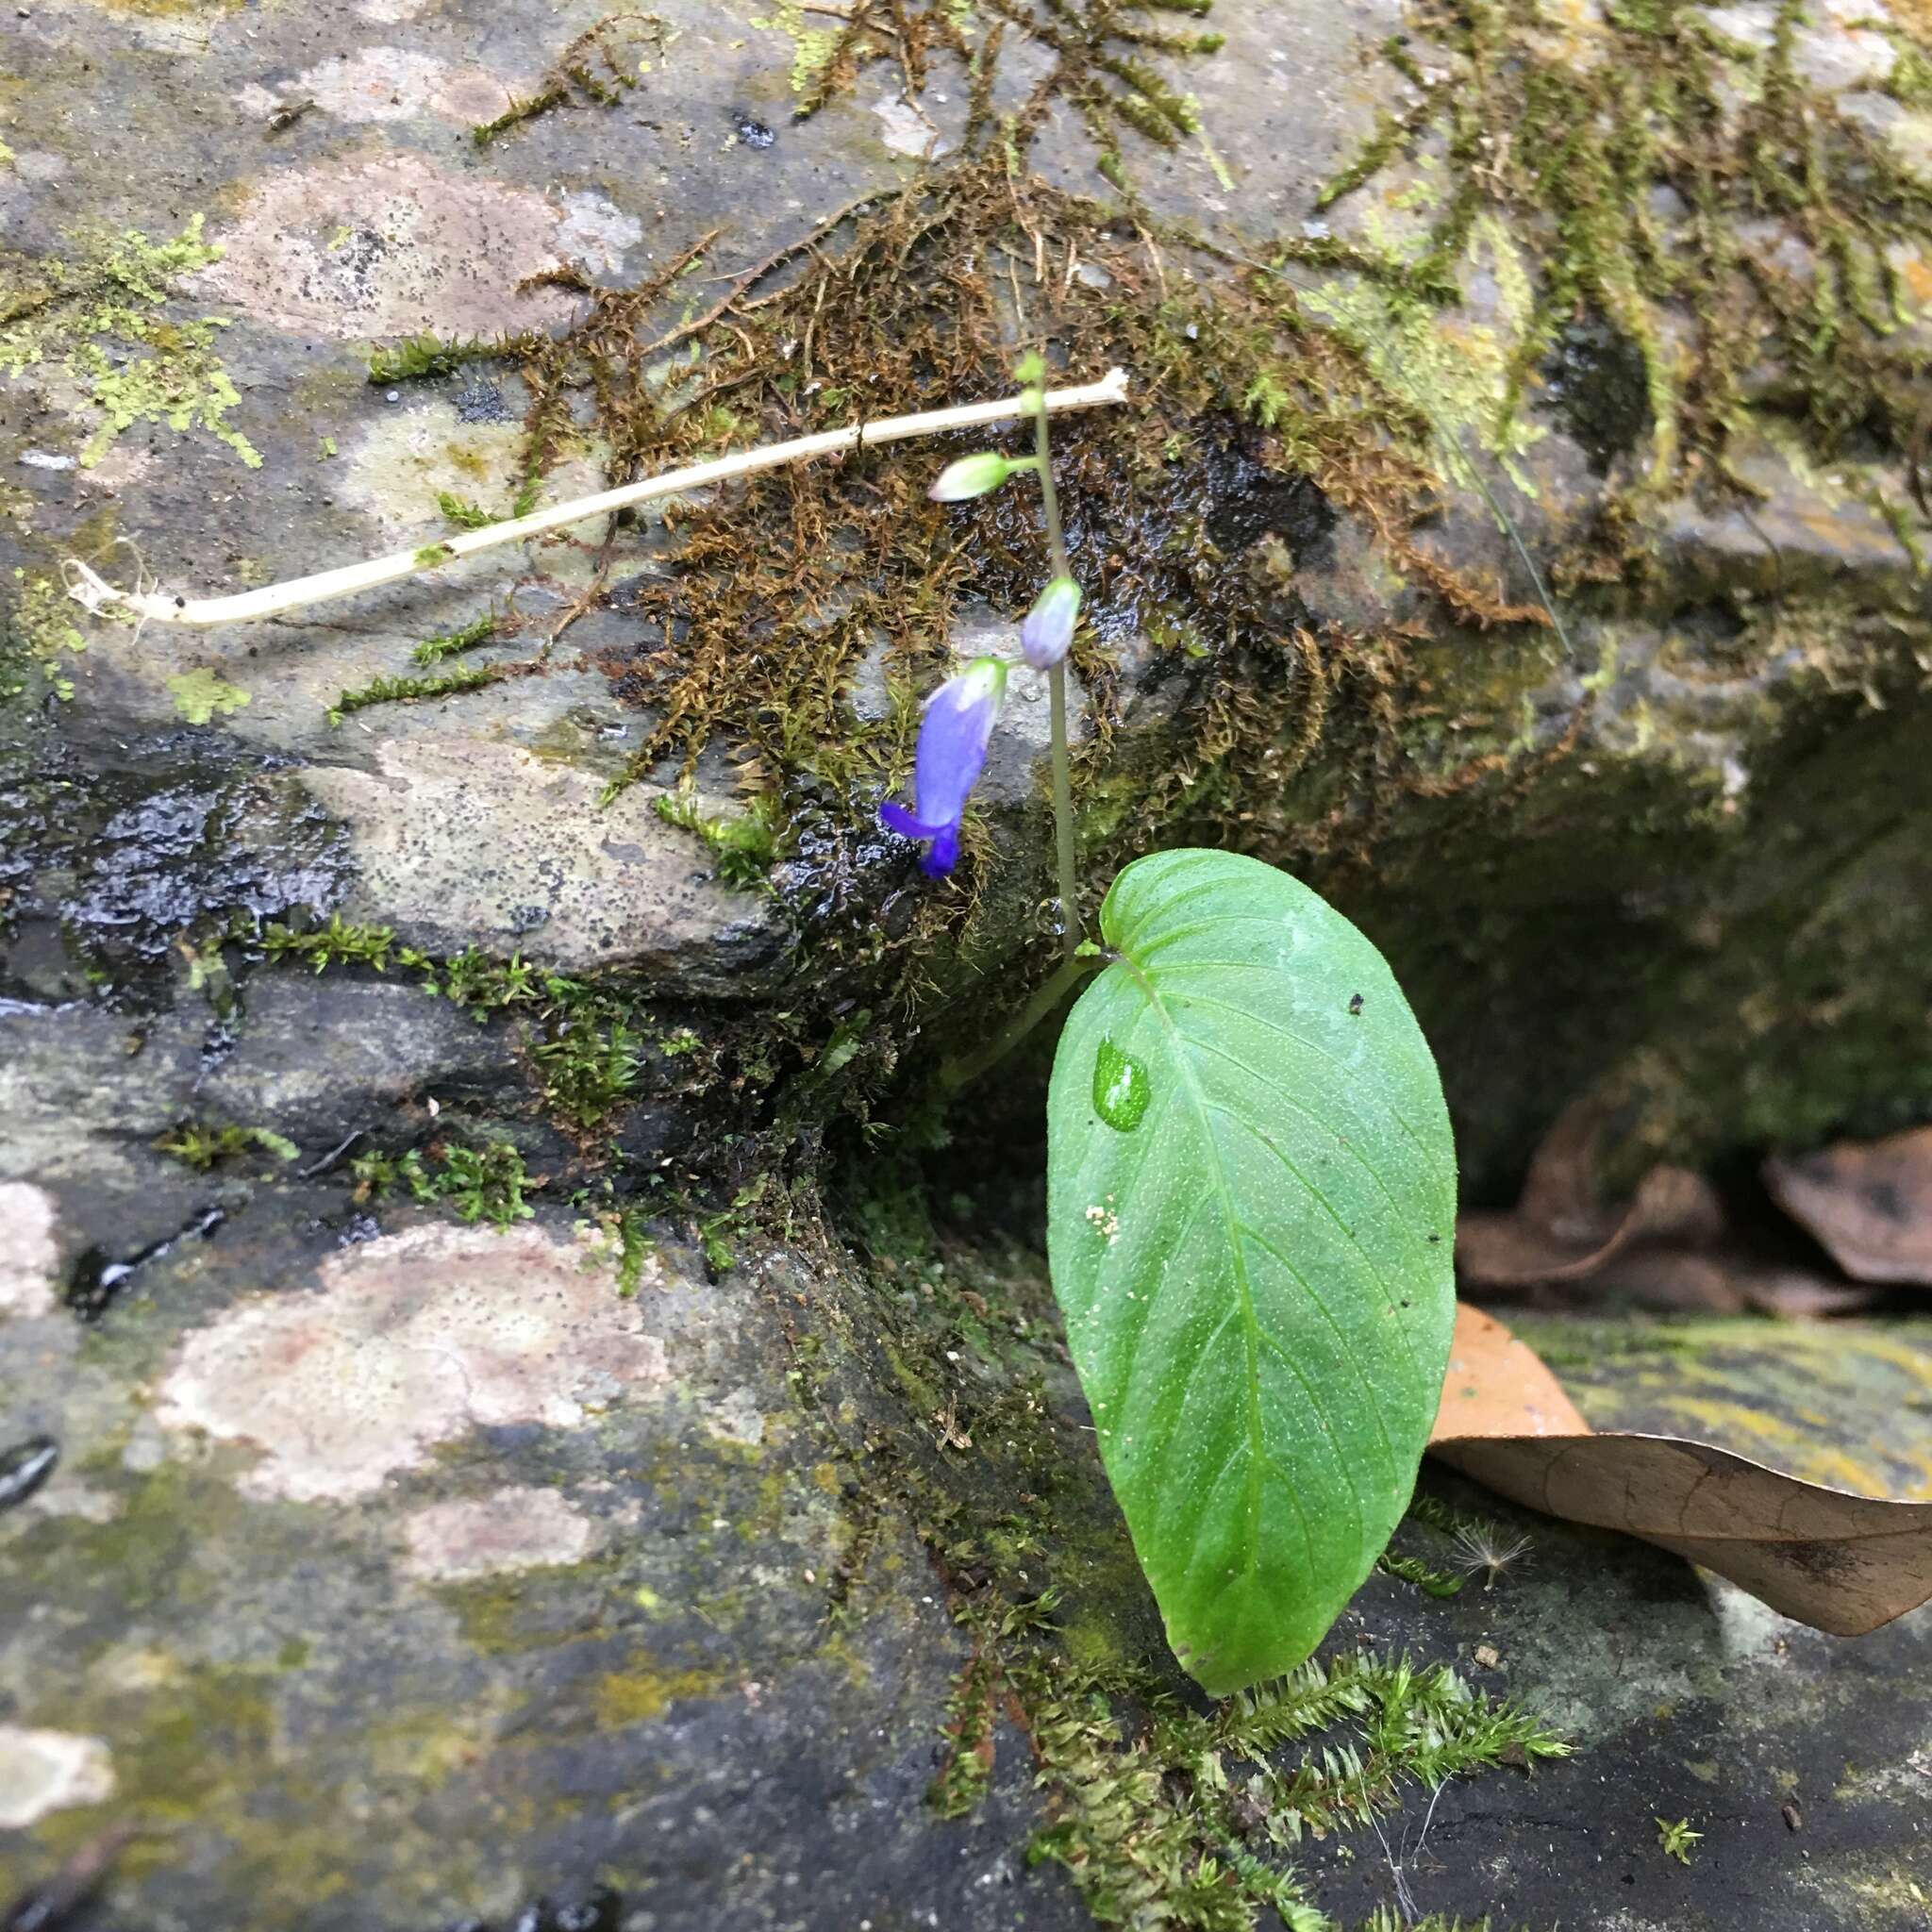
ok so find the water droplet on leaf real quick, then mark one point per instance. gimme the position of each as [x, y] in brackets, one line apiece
[1121, 1090]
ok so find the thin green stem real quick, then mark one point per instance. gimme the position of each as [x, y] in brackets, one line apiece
[955, 1075]
[1063, 812]
[1064, 857]
[1056, 541]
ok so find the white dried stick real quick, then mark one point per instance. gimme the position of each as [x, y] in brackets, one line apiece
[86, 586]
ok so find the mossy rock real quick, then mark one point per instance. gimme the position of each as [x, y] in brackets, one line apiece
[1513, 531]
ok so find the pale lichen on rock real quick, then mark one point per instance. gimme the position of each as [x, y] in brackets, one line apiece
[410, 1341]
[516, 1528]
[29, 1256]
[44, 1771]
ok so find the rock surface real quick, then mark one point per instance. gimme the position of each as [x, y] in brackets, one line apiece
[412, 1553]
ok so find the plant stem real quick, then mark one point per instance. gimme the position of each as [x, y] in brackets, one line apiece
[1049, 498]
[1063, 811]
[96, 594]
[1064, 857]
[955, 1075]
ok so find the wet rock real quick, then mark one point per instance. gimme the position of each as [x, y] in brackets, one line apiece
[119, 870]
[326, 1058]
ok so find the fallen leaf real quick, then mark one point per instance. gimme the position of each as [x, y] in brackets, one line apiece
[1498, 1386]
[1840, 1562]
[1870, 1204]
[1799, 1296]
[1559, 1230]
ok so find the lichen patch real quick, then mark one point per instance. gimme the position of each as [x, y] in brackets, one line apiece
[517, 1528]
[413, 1339]
[49, 1771]
[596, 233]
[390, 245]
[395, 84]
[29, 1260]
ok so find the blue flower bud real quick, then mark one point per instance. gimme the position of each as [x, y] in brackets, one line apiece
[975, 475]
[1049, 627]
[951, 751]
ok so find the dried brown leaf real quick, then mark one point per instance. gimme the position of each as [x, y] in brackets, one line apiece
[1840, 1562]
[1870, 1204]
[1560, 1231]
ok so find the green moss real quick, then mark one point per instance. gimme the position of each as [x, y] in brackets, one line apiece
[1573, 156]
[478, 1183]
[743, 848]
[337, 943]
[639, 1693]
[597, 68]
[410, 691]
[449, 644]
[416, 357]
[1185, 1822]
[466, 516]
[204, 1148]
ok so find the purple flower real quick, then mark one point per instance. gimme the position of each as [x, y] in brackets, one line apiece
[1048, 631]
[952, 750]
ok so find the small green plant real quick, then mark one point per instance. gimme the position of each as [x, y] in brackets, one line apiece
[339, 943]
[634, 1245]
[472, 979]
[590, 1056]
[1250, 1184]
[1424, 1576]
[1184, 1821]
[481, 1183]
[1676, 1840]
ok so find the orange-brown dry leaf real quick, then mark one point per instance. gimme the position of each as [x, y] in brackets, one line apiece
[1868, 1203]
[1499, 1386]
[1840, 1562]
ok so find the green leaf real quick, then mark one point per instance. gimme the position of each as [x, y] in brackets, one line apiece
[1251, 1214]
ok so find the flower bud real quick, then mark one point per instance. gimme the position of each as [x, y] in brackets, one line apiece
[1048, 630]
[973, 476]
